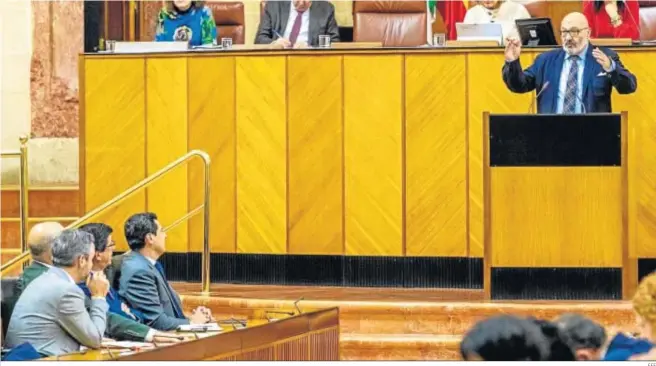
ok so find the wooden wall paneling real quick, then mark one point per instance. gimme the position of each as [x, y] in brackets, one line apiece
[436, 153]
[486, 91]
[261, 154]
[641, 153]
[315, 142]
[166, 140]
[373, 122]
[113, 114]
[212, 129]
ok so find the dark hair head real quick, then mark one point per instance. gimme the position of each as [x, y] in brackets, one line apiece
[598, 4]
[100, 234]
[137, 227]
[170, 6]
[580, 332]
[559, 349]
[505, 338]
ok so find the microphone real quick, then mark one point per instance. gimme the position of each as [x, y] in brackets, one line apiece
[582, 104]
[296, 305]
[544, 87]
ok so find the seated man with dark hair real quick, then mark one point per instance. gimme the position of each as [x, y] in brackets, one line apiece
[143, 282]
[122, 322]
[586, 338]
[505, 338]
[559, 349]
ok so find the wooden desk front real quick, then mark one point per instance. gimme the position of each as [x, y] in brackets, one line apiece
[311, 336]
[353, 152]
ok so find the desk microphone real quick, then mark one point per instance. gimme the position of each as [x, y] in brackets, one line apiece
[296, 305]
[544, 87]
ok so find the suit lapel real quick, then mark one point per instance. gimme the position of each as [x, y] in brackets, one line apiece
[588, 73]
[284, 15]
[554, 78]
[313, 31]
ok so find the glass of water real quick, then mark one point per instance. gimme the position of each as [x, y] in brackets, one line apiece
[324, 41]
[439, 40]
[226, 43]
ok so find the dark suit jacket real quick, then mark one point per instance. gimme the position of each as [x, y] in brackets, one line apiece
[144, 289]
[118, 327]
[548, 67]
[276, 15]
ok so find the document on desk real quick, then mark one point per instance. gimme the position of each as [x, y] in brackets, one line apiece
[127, 345]
[199, 328]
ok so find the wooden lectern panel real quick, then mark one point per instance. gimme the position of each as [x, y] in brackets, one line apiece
[558, 217]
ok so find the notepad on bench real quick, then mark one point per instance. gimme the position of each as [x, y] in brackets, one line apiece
[127, 344]
[197, 328]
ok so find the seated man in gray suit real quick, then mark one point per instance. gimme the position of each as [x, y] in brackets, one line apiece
[50, 313]
[143, 283]
[296, 23]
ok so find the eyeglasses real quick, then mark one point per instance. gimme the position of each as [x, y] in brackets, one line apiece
[111, 245]
[571, 32]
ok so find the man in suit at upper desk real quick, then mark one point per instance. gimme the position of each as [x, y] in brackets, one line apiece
[297, 23]
[143, 283]
[50, 313]
[577, 78]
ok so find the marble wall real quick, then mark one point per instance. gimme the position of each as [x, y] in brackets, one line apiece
[58, 39]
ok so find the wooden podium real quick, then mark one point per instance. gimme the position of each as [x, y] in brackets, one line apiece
[555, 208]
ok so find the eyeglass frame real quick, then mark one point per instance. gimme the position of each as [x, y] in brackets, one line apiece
[573, 32]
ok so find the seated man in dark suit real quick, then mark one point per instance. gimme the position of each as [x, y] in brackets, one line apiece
[577, 78]
[297, 23]
[143, 284]
[122, 322]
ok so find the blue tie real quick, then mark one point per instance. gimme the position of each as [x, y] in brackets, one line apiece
[177, 308]
[572, 86]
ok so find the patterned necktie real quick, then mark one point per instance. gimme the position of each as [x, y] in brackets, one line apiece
[569, 106]
[174, 301]
[296, 28]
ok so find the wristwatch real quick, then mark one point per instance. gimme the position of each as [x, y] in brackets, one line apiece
[616, 20]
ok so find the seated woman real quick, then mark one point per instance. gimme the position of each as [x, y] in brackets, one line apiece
[624, 347]
[613, 18]
[498, 11]
[187, 21]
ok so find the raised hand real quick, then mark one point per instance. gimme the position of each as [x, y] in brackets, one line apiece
[513, 49]
[602, 59]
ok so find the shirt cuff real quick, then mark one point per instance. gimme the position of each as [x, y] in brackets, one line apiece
[612, 65]
[98, 298]
[150, 335]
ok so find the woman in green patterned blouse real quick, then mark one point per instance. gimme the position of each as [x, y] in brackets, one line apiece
[187, 21]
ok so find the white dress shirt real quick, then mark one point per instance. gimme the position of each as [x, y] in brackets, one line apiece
[505, 14]
[304, 33]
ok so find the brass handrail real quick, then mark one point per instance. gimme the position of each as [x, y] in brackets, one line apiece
[23, 183]
[205, 279]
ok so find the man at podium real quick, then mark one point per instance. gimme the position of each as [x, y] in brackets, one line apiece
[577, 78]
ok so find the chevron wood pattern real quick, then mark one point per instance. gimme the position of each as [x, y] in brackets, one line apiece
[315, 155]
[436, 165]
[261, 154]
[486, 92]
[642, 153]
[579, 211]
[212, 129]
[113, 134]
[373, 120]
[166, 140]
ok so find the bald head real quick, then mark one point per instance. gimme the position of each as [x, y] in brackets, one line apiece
[40, 240]
[575, 20]
[575, 33]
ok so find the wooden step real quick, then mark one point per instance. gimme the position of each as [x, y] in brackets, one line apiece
[399, 347]
[452, 318]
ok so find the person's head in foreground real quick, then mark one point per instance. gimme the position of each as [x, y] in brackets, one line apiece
[575, 33]
[644, 304]
[559, 350]
[40, 240]
[73, 251]
[585, 337]
[144, 234]
[505, 338]
[102, 240]
[491, 4]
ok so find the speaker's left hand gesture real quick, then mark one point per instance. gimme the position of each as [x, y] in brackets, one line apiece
[602, 59]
